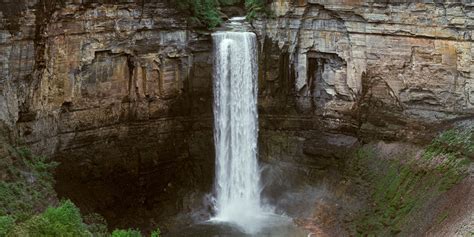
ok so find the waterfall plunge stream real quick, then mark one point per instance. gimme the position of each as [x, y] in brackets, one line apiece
[236, 125]
[236, 129]
[239, 210]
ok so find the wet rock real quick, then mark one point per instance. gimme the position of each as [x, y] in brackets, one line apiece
[330, 145]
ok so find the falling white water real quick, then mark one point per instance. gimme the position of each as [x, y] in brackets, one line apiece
[235, 129]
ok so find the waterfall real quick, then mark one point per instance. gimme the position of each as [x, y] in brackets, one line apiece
[236, 128]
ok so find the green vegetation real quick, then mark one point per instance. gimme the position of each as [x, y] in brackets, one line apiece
[403, 185]
[442, 217]
[126, 233]
[156, 233]
[64, 220]
[27, 184]
[133, 233]
[6, 224]
[96, 224]
[203, 11]
[228, 2]
[254, 7]
[207, 11]
[455, 142]
[28, 201]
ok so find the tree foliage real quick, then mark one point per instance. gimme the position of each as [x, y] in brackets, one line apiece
[203, 11]
[26, 185]
[28, 205]
[64, 220]
[207, 11]
[254, 7]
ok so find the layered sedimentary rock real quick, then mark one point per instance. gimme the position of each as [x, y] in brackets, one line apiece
[335, 74]
[390, 70]
[83, 66]
[118, 92]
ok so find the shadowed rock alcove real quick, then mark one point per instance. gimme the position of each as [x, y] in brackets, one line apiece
[140, 174]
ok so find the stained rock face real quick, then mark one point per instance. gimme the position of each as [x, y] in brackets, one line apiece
[100, 64]
[335, 74]
[379, 70]
[120, 93]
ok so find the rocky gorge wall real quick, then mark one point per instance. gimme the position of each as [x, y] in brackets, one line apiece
[119, 92]
[335, 75]
[335, 72]
[389, 70]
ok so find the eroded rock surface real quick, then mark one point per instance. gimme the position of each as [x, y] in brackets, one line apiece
[378, 70]
[119, 92]
[337, 74]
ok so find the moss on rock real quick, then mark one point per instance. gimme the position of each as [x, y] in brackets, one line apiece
[401, 187]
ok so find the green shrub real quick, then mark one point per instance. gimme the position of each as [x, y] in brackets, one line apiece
[96, 224]
[28, 186]
[6, 224]
[228, 2]
[206, 11]
[203, 11]
[156, 233]
[26, 190]
[254, 7]
[64, 220]
[134, 233]
[126, 233]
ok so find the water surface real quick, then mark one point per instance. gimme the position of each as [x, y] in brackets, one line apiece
[279, 228]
